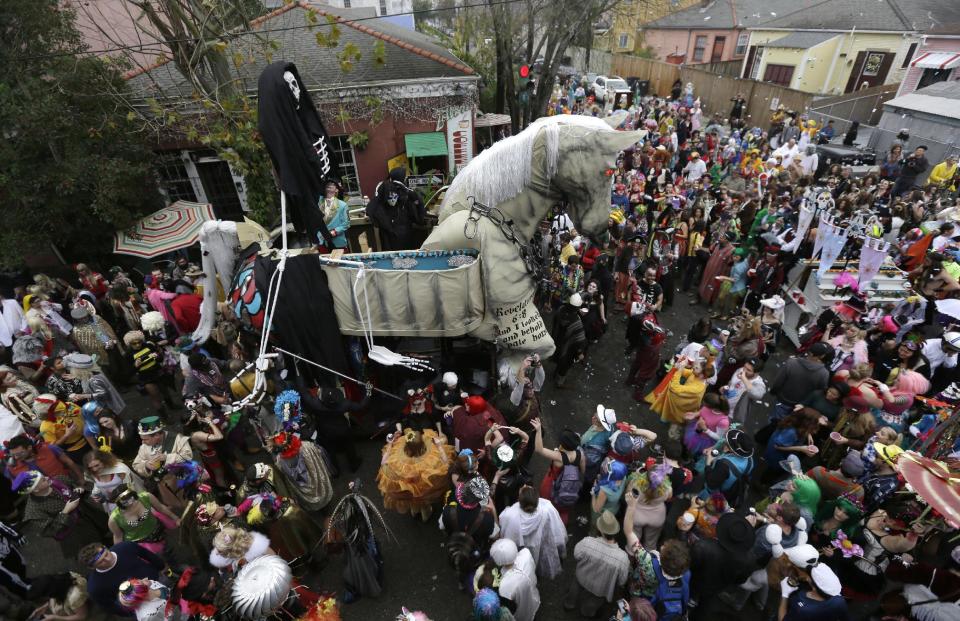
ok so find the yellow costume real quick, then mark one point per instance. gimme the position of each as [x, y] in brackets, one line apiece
[65, 415]
[414, 484]
[942, 174]
[751, 166]
[677, 395]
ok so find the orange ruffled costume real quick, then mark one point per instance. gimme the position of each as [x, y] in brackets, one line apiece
[679, 392]
[414, 484]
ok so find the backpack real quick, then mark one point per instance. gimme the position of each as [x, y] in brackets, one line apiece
[670, 600]
[566, 487]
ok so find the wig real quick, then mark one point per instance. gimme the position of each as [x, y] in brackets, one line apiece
[232, 542]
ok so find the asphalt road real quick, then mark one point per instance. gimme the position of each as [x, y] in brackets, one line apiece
[417, 573]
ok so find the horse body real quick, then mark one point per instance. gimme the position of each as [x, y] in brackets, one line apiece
[560, 158]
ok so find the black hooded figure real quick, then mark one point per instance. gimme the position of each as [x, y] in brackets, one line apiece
[298, 145]
[395, 208]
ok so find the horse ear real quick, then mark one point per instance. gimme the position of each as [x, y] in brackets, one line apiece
[616, 119]
[618, 141]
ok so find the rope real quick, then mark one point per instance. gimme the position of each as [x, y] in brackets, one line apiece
[318, 365]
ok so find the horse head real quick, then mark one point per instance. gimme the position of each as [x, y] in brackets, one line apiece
[587, 159]
[565, 158]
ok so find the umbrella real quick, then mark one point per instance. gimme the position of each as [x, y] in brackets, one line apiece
[169, 229]
[949, 307]
[934, 482]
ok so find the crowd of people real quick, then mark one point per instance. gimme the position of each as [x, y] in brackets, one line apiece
[803, 514]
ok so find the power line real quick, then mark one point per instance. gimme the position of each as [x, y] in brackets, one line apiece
[233, 34]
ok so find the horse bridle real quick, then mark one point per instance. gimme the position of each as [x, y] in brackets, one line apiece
[494, 214]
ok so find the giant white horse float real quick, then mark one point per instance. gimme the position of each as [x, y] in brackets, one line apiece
[490, 211]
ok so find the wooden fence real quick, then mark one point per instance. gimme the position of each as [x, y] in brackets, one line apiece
[714, 90]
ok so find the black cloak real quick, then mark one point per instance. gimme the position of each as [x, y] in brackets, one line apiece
[396, 221]
[299, 147]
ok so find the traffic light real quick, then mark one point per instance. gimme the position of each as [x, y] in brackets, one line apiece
[524, 73]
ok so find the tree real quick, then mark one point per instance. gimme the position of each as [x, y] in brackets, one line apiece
[75, 169]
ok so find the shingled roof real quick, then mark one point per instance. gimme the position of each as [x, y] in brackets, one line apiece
[726, 14]
[410, 55]
[881, 15]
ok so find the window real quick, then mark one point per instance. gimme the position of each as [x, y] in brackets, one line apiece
[755, 63]
[624, 39]
[174, 180]
[699, 48]
[346, 4]
[932, 76]
[778, 74]
[348, 165]
[742, 40]
[383, 7]
[909, 56]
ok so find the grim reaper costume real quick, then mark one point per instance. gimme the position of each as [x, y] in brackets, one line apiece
[395, 208]
[299, 146]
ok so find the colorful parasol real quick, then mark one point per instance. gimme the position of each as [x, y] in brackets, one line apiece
[936, 483]
[169, 229]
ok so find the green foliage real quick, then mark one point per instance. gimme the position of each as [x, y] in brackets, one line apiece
[359, 139]
[347, 56]
[75, 168]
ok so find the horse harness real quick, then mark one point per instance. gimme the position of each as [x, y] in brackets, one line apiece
[494, 214]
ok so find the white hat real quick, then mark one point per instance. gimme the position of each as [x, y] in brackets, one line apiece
[804, 556]
[952, 338]
[826, 580]
[450, 379]
[503, 552]
[606, 416]
[575, 300]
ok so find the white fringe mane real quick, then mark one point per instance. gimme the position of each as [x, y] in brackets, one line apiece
[502, 171]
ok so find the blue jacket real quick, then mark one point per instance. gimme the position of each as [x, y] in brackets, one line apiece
[340, 222]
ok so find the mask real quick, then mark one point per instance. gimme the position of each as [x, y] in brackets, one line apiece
[291, 81]
[392, 198]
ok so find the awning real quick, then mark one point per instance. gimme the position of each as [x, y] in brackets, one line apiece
[937, 60]
[426, 144]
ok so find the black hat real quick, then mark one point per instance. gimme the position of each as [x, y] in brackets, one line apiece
[823, 351]
[735, 533]
[740, 442]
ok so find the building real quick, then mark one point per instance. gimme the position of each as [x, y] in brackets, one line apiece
[832, 47]
[416, 106]
[708, 32]
[937, 59]
[382, 7]
[628, 18]
[931, 115]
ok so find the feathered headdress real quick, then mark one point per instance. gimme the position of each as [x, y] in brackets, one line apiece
[287, 409]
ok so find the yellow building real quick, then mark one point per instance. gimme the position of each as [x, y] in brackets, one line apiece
[833, 47]
[629, 17]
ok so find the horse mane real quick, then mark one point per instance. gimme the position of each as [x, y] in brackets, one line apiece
[503, 170]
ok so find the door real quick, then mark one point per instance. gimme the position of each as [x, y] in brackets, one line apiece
[751, 58]
[869, 69]
[718, 43]
[219, 187]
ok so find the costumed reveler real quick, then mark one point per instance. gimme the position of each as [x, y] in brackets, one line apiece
[413, 471]
[234, 547]
[266, 502]
[352, 528]
[304, 464]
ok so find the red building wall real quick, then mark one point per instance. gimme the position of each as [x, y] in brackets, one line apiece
[386, 142]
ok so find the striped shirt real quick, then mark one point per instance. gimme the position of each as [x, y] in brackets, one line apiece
[601, 567]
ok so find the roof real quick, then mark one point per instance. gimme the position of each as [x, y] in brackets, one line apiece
[723, 14]
[875, 15]
[410, 55]
[802, 40]
[940, 99]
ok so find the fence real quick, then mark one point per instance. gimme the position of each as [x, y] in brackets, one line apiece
[715, 91]
[729, 68]
[865, 106]
[599, 61]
